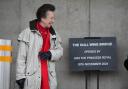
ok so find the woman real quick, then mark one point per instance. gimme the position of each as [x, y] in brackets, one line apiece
[39, 49]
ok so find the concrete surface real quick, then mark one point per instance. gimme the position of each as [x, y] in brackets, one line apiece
[107, 18]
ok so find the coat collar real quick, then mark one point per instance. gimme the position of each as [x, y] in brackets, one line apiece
[32, 25]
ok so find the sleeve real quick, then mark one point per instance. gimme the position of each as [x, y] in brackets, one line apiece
[58, 52]
[21, 56]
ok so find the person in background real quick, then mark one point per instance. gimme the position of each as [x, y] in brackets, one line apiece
[40, 47]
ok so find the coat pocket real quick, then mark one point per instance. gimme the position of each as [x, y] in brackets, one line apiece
[29, 83]
[33, 81]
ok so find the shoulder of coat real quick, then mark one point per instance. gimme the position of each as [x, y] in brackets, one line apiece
[26, 30]
[24, 35]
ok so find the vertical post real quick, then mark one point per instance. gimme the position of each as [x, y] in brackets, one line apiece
[5, 61]
[86, 80]
[98, 79]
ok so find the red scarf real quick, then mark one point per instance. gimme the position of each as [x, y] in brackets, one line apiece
[45, 47]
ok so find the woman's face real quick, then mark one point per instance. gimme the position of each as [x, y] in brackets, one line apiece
[49, 20]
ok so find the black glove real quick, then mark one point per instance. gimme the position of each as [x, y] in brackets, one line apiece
[21, 83]
[126, 63]
[45, 55]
